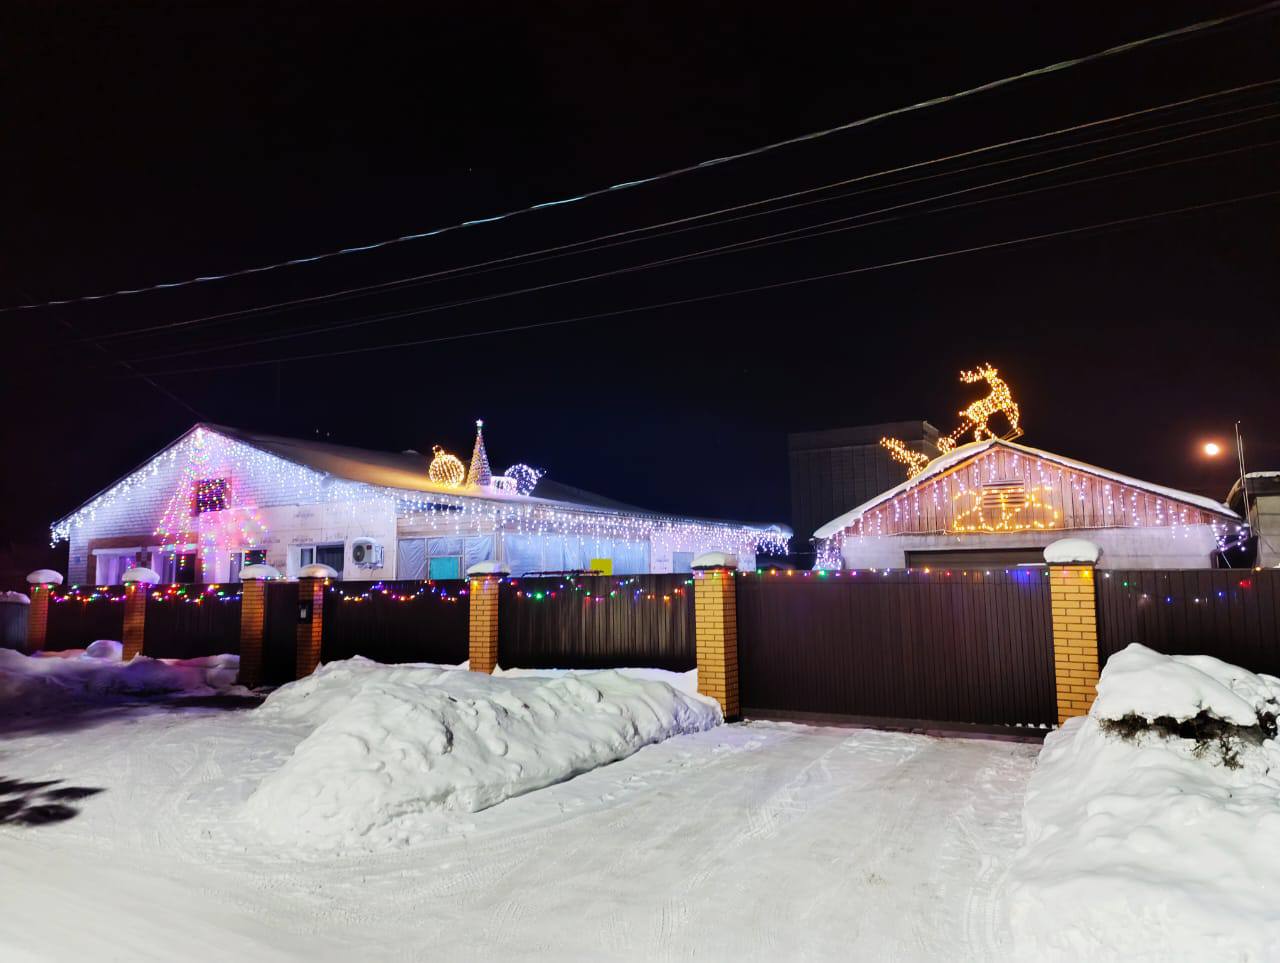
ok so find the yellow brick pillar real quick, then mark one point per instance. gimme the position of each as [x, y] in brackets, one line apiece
[1073, 602]
[485, 582]
[715, 605]
[137, 588]
[42, 581]
[253, 621]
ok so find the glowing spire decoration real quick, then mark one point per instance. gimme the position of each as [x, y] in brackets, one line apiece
[479, 475]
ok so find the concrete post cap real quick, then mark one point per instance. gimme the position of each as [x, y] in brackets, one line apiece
[488, 567]
[715, 560]
[1072, 551]
[146, 576]
[44, 576]
[15, 598]
[316, 570]
[259, 571]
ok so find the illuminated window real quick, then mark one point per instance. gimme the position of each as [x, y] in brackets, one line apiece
[211, 495]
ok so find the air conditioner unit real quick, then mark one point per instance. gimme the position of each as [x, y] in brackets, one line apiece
[366, 553]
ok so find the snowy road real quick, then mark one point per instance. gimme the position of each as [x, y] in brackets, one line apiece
[760, 841]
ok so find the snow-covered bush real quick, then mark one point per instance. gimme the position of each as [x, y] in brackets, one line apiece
[1141, 843]
[387, 749]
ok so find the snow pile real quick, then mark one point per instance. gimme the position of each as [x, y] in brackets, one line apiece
[33, 683]
[1150, 846]
[389, 749]
[1141, 682]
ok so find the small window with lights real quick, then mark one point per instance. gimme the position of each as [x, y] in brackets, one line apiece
[211, 495]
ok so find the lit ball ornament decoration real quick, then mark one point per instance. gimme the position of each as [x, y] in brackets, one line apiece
[525, 478]
[446, 469]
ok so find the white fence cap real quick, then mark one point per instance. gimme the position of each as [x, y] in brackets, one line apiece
[44, 576]
[146, 576]
[488, 567]
[259, 571]
[317, 570]
[715, 560]
[1072, 551]
[16, 598]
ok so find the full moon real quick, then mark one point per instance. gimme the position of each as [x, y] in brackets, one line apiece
[1212, 448]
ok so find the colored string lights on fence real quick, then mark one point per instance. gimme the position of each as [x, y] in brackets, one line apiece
[428, 589]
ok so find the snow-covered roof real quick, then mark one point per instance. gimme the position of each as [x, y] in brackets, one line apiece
[407, 471]
[944, 463]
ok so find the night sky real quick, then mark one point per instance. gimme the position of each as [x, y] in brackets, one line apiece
[166, 141]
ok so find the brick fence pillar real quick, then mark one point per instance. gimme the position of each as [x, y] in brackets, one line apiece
[135, 619]
[310, 625]
[253, 618]
[42, 582]
[715, 604]
[1075, 637]
[482, 604]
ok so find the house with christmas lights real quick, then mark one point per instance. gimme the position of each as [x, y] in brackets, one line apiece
[996, 502]
[218, 499]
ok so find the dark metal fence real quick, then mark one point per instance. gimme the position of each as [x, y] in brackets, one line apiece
[597, 622]
[402, 621]
[1233, 615]
[280, 633]
[971, 647]
[199, 622]
[82, 616]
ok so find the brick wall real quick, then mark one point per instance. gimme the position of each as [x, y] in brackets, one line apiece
[716, 632]
[483, 627]
[310, 633]
[135, 620]
[1075, 638]
[253, 613]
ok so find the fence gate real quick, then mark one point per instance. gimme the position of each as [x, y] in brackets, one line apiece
[947, 646]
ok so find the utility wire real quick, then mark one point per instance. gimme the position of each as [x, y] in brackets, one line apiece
[731, 247]
[995, 245]
[690, 168]
[595, 244]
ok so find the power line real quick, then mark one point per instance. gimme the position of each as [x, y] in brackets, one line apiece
[732, 247]
[757, 289]
[687, 169]
[594, 244]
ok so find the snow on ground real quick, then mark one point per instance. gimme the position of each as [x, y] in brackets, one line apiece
[50, 681]
[1154, 848]
[388, 751]
[758, 841]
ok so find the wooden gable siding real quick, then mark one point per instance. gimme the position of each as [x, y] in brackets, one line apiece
[1053, 498]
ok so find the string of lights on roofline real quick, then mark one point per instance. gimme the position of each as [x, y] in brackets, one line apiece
[205, 453]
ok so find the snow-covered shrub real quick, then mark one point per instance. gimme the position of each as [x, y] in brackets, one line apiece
[1153, 824]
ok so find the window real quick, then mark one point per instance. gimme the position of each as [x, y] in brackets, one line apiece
[184, 569]
[331, 555]
[239, 560]
[444, 566]
[210, 496]
[682, 561]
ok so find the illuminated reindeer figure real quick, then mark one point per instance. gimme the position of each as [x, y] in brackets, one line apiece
[975, 417]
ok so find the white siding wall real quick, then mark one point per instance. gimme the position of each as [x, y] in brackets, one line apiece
[1189, 546]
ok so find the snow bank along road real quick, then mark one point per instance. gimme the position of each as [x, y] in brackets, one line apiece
[761, 841]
